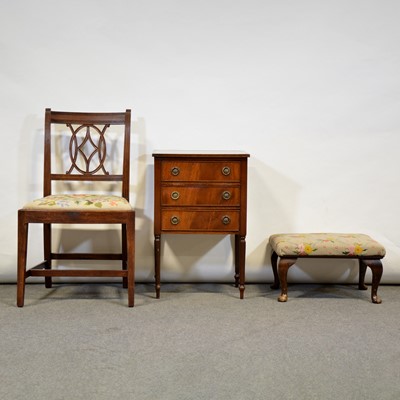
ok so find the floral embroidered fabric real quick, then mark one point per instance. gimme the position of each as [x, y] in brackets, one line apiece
[326, 244]
[91, 202]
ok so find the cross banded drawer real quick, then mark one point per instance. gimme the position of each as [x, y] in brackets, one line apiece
[200, 171]
[200, 196]
[200, 220]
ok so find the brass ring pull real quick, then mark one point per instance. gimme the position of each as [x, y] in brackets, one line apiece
[226, 171]
[226, 195]
[175, 195]
[226, 220]
[175, 220]
[175, 171]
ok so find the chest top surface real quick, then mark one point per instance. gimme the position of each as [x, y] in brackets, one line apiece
[200, 153]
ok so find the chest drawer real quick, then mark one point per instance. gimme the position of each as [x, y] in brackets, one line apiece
[200, 220]
[177, 170]
[200, 196]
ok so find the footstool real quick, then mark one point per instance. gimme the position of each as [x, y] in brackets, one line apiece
[289, 247]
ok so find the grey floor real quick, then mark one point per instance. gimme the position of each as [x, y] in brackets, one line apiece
[199, 342]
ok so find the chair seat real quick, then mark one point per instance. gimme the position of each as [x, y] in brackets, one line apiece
[79, 202]
[326, 244]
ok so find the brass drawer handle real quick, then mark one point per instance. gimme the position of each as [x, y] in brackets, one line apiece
[226, 195]
[175, 220]
[226, 171]
[175, 171]
[175, 195]
[226, 220]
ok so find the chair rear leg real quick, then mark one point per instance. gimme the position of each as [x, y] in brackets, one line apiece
[22, 255]
[47, 253]
[130, 243]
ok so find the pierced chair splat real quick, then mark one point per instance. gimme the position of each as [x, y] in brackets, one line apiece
[89, 163]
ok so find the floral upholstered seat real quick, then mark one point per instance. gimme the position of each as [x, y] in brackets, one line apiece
[79, 202]
[326, 244]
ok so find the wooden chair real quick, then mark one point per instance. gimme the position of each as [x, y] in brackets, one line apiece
[89, 163]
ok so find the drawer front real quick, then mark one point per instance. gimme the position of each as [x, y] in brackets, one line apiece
[200, 196]
[200, 171]
[200, 220]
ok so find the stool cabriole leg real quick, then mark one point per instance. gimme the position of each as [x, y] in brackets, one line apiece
[274, 263]
[377, 270]
[283, 266]
[361, 277]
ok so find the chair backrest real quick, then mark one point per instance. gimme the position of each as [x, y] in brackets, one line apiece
[88, 142]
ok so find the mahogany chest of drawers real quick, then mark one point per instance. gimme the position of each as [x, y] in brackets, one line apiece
[201, 192]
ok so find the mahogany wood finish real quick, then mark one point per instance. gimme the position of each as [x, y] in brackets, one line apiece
[90, 125]
[280, 270]
[201, 192]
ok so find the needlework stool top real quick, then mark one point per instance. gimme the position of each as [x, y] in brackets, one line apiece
[326, 245]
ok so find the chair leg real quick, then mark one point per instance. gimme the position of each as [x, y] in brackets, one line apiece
[283, 266]
[22, 255]
[47, 253]
[130, 246]
[124, 255]
[274, 263]
[377, 270]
